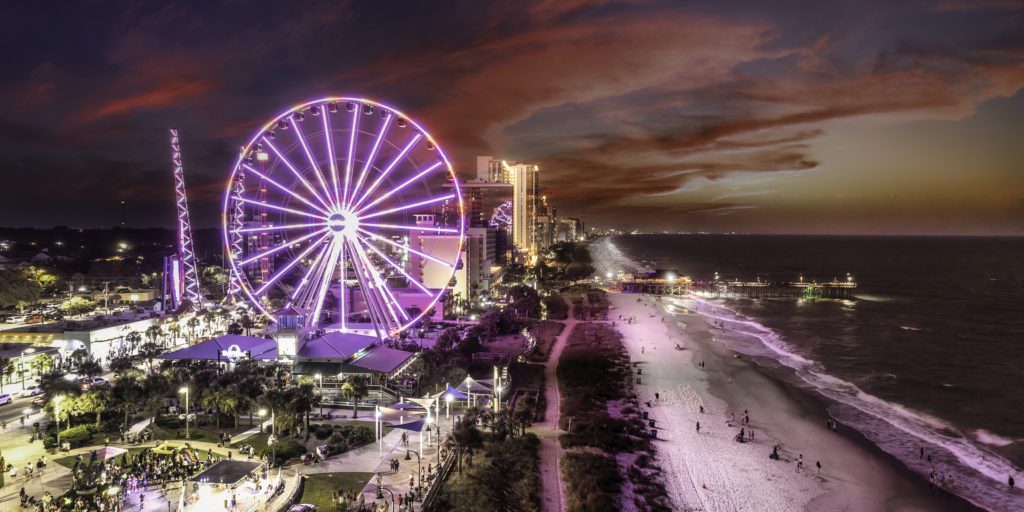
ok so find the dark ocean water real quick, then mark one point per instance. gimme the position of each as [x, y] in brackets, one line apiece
[930, 354]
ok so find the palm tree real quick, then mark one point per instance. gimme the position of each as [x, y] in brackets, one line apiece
[90, 367]
[154, 333]
[247, 323]
[192, 323]
[175, 330]
[354, 388]
[6, 369]
[125, 395]
[133, 338]
[149, 351]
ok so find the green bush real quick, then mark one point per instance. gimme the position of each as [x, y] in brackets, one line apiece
[321, 430]
[77, 436]
[286, 450]
[592, 482]
[556, 307]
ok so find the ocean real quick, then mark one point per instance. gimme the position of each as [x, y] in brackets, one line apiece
[929, 354]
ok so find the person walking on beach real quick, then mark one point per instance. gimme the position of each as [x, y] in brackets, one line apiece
[819, 467]
[657, 396]
[922, 453]
[702, 409]
[698, 431]
[1010, 482]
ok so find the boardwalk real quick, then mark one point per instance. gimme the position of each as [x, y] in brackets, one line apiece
[552, 487]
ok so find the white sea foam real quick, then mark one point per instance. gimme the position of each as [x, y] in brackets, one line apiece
[924, 428]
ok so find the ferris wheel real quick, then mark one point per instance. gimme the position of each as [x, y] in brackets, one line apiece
[348, 210]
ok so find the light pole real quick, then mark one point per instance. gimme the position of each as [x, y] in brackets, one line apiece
[184, 390]
[320, 378]
[56, 416]
[448, 405]
[262, 413]
[497, 404]
[380, 429]
[419, 470]
[27, 350]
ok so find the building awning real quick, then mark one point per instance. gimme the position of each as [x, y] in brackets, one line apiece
[227, 472]
[226, 347]
[382, 359]
[312, 368]
[336, 345]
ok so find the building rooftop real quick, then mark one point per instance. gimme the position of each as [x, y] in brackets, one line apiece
[216, 348]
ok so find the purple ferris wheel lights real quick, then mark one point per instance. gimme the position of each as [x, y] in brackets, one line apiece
[321, 217]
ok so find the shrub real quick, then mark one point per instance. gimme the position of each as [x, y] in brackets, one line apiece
[286, 450]
[592, 482]
[80, 435]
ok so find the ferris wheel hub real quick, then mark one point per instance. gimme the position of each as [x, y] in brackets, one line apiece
[344, 223]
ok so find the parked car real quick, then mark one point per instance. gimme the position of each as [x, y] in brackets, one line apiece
[6, 398]
[302, 507]
[18, 319]
[95, 382]
[39, 401]
[32, 391]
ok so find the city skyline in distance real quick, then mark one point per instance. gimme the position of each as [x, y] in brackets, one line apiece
[833, 118]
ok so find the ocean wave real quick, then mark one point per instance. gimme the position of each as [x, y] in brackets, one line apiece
[608, 258]
[986, 437]
[921, 428]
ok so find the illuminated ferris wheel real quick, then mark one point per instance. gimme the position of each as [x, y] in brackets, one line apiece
[343, 207]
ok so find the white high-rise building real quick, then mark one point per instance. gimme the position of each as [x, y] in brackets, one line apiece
[525, 188]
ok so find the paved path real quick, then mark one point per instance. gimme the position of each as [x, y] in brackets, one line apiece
[552, 487]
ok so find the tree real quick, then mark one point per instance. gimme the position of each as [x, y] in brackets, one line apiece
[133, 338]
[17, 288]
[447, 340]
[175, 330]
[125, 395]
[354, 388]
[466, 436]
[247, 323]
[192, 324]
[215, 397]
[150, 351]
[93, 402]
[90, 367]
[77, 306]
[6, 369]
[154, 333]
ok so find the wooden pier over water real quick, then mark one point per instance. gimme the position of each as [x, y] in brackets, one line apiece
[667, 285]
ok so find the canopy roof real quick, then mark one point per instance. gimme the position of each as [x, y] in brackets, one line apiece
[336, 345]
[215, 349]
[381, 359]
[109, 452]
[227, 472]
[471, 385]
[450, 391]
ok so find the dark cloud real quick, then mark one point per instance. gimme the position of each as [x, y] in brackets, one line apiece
[636, 104]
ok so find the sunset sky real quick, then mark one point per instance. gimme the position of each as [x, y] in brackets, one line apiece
[816, 117]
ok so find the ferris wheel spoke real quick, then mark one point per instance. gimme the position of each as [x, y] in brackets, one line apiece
[283, 227]
[411, 206]
[319, 173]
[308, 289]
[404, 184]
[281, 208]
[368, 164]
[281, 247]
[301, 285]
[285, 189]
[380, 287]
[287, 163]
[387, 170]
[343, 309]
[449, 266]
[332, 263]
[329, 140]
[290, 265]
[371, 307]
[352, 138]
[409, 228]
[396, 266]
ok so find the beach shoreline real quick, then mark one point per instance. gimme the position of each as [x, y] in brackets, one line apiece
[710, 470]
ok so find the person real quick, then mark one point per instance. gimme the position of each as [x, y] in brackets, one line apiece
[657, 396]
[698, 427]
[702, 409]
[1010, 481]
[819, 466]
[922, 453]
[750, 434]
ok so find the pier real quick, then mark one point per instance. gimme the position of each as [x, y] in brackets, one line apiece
[665, 283]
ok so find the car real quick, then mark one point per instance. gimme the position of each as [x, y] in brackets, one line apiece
[39, 401]
[95, 382]
[302, 507]
[18, 319]
[6, 398]
[32, 391]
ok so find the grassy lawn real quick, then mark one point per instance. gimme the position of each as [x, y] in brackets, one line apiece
[207, 433]
[320, 487]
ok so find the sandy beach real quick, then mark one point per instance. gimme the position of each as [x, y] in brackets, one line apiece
[709, 470]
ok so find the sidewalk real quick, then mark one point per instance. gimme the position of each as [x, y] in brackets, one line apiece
[550, 451]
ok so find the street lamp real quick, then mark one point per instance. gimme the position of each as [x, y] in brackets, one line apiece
[497, 404]
[28, 350]
[56, 415]
[320, 378]
[184, 390]
[419, 470]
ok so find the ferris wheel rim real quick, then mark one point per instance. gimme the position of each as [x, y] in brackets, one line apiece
[246, 287]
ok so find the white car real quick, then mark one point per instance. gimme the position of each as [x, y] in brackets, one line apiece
[20, 319]
[6, 398]
[32, 391]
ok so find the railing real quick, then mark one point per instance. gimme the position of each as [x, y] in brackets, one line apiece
[430, 496]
